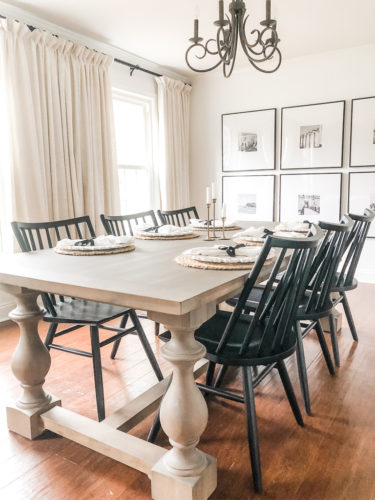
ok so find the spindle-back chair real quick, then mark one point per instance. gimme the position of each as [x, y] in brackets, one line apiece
[33, 236]
[180, 217]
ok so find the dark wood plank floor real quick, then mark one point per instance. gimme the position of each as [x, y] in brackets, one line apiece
[332, 457]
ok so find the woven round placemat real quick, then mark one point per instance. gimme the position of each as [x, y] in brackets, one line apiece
[219, 229]
[165, 238]
[248, 243]
[186, 261]
[112, 251]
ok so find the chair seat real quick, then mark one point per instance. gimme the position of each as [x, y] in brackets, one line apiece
[256, 294]
[84, 312]
[346, 287]
[210, 333]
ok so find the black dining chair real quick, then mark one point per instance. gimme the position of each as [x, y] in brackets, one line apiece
[78, 312]
[345, 279]
[263, 337]
[120, 225]
[316, 302]
[180, 217]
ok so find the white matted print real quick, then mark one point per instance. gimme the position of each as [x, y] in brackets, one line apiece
[312, 135]
[249, 198]
[311, 197]
[249, 140]
[362, 150]
[362, 195]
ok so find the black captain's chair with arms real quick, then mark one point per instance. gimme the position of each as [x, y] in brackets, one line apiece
[64, 310]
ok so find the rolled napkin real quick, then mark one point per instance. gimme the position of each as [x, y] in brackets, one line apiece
[100, 241]
[293, 226]
[218, 223]
[219, 253]
[164, 230]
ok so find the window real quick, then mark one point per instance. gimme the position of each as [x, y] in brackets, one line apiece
[134, 118]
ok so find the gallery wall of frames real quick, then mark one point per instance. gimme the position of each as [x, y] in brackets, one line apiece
[311, 141]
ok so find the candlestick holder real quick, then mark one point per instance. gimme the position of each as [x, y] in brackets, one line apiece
[208, 224]
[224, 238]
[214, 219]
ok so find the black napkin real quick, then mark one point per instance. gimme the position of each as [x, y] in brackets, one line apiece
[85, 243]
[231, 251]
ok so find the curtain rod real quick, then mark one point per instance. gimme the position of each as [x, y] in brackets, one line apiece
[132, 66]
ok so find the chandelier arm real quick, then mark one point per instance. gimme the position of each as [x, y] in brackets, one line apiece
[223, 43]
[255, 63]
[194, 45]
[233, 53]
[250, 53]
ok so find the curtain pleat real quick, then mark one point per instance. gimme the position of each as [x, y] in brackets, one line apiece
[174, 119]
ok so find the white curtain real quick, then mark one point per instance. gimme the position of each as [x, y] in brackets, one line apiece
[174, 119]
[62, 160]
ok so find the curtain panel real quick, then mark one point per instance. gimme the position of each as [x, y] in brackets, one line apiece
[174, 122]
[62, 159]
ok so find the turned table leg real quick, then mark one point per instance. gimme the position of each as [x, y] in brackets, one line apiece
[30, 364]
[184, 472]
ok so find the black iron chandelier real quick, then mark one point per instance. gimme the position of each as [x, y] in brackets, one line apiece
[262, 48]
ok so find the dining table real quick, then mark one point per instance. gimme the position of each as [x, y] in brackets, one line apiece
[147, 279]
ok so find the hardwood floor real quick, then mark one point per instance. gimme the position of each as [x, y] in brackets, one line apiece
[331, 458]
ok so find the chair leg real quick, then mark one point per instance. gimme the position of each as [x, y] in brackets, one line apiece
[157, 329]
[323, 345]
[98, 376]
[252, 429]
[155, 428]
[146, 345]
[220, 376]
[302, 371]
[335, 346]
[289, 392]
[210, 372]
[50, 335]
[116, 343]
[349, 317]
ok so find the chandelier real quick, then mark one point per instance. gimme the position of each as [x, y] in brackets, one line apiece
[261, 48]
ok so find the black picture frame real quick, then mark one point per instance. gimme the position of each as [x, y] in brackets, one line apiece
[273, 176]
[327, 218]
[341, 135]
[361, 164]
[242, 113]
[359, 211]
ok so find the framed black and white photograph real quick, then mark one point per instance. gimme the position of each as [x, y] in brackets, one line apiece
[311, 197]
[362, 194]
[312, 135]
[362, 135]
[249, 197]
[248, 140]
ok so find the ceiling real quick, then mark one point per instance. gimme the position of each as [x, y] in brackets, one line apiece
[158, 30]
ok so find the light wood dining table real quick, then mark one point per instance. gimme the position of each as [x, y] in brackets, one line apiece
[178, 297]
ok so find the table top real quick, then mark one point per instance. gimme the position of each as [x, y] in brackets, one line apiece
[147, 278]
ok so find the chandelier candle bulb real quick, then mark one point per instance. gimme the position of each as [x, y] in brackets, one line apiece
[221, 10]
[196, 28]
[268, 10]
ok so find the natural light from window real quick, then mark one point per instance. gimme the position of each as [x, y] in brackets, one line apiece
[133, 118]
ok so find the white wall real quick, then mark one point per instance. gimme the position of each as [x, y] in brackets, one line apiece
[330, 76]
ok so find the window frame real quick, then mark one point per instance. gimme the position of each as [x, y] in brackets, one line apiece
[148, 103]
